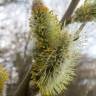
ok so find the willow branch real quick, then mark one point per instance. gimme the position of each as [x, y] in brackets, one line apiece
[26, 46]
[69, 12]
[24, 83]
[78, 31]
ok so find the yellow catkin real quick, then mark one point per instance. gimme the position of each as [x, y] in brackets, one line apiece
[53, 65]
[3, 78]
[85, 13]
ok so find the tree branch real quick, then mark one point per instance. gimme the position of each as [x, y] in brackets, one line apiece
[69, 12]
[23, 86]
[26, 46]
[78, 31]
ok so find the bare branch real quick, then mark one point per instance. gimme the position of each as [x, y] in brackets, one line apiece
[24, 83]
[78, 31]
[26, 46]
[69, 12]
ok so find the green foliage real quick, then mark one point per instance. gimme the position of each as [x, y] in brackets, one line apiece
[3, 78]
[85, 13]
[53, 66]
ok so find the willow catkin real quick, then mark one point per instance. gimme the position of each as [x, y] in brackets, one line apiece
[53, 66]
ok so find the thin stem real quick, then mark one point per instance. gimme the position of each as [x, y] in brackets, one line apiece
[23, 82]
[78, 31]
[26, 46]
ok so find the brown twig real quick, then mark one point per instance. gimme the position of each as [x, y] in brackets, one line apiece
[69, 12]
[78, 31]
[24, 83]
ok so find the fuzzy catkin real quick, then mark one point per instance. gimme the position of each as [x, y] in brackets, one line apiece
[3, 79]
[53, 67]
